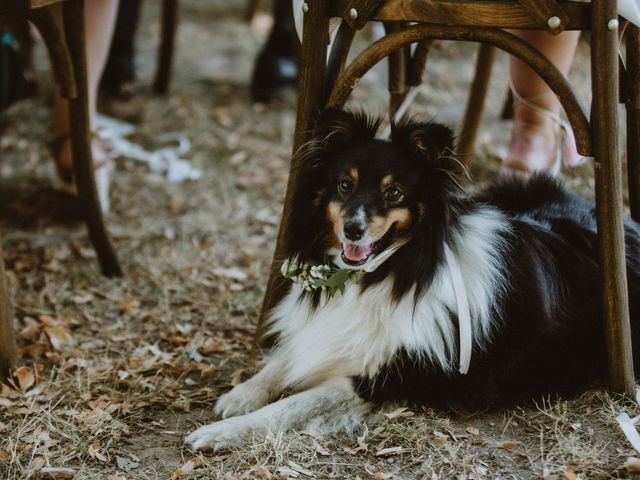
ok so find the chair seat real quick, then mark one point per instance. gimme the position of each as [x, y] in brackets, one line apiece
[476, 13]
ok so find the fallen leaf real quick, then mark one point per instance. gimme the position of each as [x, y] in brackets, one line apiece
[509, 445]
[55, 473]
[230, 273]
[187, 468]
[126, 464]
[473, 431]
[632, 464]
[385, 452]
[299, 468]
[59, 336]
[570, 474]
[287, 472]
[381, 476]
[400, 412]
[25, 377]
[262, 471]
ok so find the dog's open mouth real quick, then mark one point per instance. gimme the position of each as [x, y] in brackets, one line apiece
[356, 255]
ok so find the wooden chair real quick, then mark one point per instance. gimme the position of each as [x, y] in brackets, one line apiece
[420, 22]
[7, 336]
[67, 51]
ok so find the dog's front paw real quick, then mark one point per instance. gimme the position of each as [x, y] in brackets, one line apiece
[229, 433]
[242, 399]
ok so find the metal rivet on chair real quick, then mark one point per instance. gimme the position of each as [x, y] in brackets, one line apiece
[305, 7]
[353, 13]
[613, 24]
[553, 22]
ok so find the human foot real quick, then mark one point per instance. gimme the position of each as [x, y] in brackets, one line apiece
[62, 175]
[540, 139]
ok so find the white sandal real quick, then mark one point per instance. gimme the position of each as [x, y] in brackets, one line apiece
[62, 178]
[567, 153]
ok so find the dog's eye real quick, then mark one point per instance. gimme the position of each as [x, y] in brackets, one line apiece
[393, 195]
[345, 186]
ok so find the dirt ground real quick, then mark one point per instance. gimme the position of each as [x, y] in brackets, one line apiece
[114, 373]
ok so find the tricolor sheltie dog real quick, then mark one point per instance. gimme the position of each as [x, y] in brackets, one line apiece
[408, 288]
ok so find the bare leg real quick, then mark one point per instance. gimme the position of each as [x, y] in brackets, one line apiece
[334, 404]
[100, 18]
[535, 137]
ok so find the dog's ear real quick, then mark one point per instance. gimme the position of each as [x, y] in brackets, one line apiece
[428, 139]
[337, 129]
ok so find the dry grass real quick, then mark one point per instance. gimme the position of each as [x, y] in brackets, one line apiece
[116, 372]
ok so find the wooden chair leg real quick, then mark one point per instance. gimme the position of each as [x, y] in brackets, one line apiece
[475, 101]
[507, 108]
[167, 44]
[311, 100]
[81, 141]
[633, 118]
[398, 68]
[7, 335]
[58, 52]
[604, 125]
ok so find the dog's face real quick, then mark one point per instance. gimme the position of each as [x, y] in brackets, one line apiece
[371, 203]
[358, 197]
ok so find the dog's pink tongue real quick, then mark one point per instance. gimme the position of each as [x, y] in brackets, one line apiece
[356, 253]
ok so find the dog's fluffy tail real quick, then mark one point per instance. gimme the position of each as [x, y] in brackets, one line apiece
[516, 193]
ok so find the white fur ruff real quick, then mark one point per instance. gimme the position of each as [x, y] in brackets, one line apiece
[357, 333]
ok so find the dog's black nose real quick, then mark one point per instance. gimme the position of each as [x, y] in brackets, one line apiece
[354, 230]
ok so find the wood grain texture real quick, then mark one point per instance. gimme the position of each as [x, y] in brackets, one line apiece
[475, 101]
[418, 63]
[81, 142]
[58, 52]
[397, 66]
[311, 99]
[489, 13]
[364, 8]
[542, 10]
[7, 334]
[608, 176]
[167, 46]
[339, 54]
[501, 39]
[632, 103]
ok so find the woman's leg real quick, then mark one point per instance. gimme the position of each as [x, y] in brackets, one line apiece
[100, 16]
[535, 137]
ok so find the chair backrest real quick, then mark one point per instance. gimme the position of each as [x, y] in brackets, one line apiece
[14, 6]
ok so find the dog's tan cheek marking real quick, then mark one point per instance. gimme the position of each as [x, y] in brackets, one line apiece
[386, 181]
[334, 216]
[378, 226]
[403, 218]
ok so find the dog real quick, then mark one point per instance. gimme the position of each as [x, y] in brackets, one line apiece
[409, 288]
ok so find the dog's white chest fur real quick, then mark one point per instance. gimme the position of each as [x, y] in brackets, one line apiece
[356, 333]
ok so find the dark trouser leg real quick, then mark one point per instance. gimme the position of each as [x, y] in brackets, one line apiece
[119, 71]
[275, 66]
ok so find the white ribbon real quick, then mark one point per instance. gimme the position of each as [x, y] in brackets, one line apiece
[464, 315]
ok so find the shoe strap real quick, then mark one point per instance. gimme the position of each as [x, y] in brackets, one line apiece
[570, 155]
